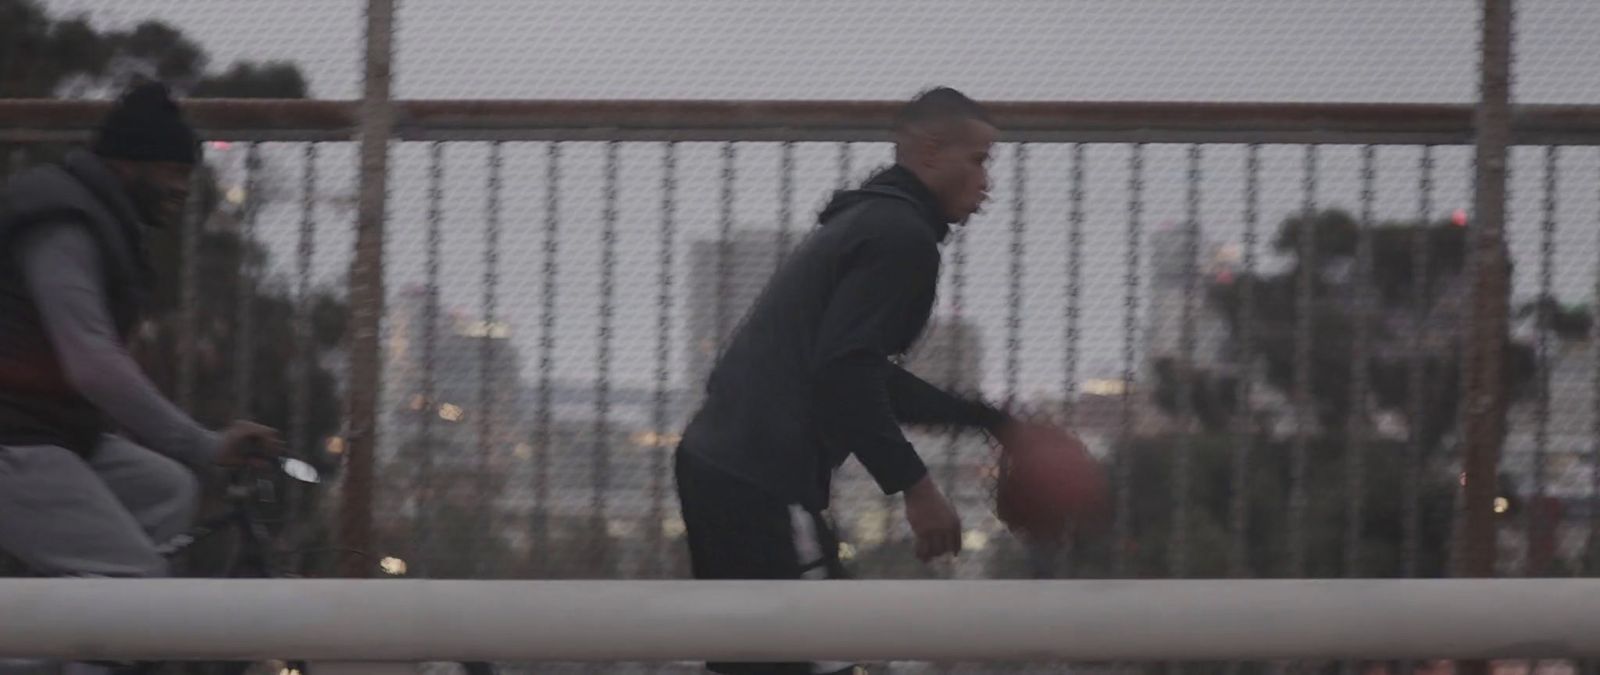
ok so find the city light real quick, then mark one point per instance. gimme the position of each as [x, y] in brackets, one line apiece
[392, 566]
[654, 439]
[335, 445]
[522, 451]
[1501, 505]
[1105, 387]
[450, 412]
[418, 402]
[974, 540]
[497, 330]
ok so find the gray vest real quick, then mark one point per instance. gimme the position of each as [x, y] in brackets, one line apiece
[38, 405]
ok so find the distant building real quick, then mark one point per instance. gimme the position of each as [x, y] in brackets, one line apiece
[448, 445]
[725, 278]
[470, 408]
[1171, 287]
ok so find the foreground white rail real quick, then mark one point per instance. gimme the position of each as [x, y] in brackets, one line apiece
[402, 620]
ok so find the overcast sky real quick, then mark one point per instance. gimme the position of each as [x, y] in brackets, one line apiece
[1278, 50]
[1238, 50]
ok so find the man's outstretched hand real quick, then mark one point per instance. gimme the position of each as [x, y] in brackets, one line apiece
[933, 520]
[244, 442]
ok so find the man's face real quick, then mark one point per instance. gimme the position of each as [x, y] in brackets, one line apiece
[958, 168]
[159, 190]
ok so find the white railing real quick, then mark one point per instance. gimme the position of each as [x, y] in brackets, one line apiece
[406, 621]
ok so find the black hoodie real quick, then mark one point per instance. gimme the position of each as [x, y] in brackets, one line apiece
[806, 380]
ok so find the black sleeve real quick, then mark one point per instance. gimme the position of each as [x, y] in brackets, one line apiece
[917, 402]
[889, 280]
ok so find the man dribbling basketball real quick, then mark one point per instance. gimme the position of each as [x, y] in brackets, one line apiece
[806, 381]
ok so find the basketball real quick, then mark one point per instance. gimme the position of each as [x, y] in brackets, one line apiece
[1048, 483]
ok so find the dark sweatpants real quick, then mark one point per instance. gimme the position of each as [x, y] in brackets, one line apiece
[738, 531]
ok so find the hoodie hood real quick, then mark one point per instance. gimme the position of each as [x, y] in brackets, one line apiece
[93, 172]
[96, 175]
[895, 182]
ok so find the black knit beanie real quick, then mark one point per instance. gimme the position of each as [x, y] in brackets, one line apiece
[146, 126]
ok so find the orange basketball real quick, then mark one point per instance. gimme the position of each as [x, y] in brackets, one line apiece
[1048, 482]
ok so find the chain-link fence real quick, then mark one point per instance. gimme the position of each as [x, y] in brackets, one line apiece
[1256, 314]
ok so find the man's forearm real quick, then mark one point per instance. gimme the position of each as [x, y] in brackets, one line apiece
[917, 402]
[853, 414]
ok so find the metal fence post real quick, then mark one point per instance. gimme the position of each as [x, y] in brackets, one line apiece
[366, 290]
[1483, 394]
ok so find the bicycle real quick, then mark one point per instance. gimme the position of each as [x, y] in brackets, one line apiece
[254, 501]
[258, 507]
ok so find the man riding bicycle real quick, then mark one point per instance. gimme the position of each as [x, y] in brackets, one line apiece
[96, 466]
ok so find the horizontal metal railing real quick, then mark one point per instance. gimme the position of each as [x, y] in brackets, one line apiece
[1144, 621]
[665, 120]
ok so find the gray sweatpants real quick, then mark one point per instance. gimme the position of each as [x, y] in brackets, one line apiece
[65, 515]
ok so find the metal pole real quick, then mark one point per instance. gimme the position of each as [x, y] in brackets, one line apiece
[366, 290]
[245, 291]
[1484, 393]
[192, 229]
[673, 620]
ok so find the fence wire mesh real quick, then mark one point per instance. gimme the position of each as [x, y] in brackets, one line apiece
[1262, 341]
